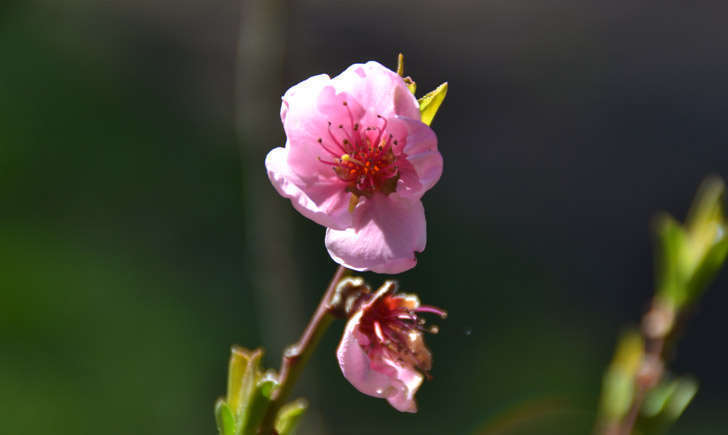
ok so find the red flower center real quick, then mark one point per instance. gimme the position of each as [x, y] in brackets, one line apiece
[392, 325]
[363, 158]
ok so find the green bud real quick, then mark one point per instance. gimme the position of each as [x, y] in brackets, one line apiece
[249, 393]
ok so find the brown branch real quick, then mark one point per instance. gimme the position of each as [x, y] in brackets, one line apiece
[657, 324]
[295, 356]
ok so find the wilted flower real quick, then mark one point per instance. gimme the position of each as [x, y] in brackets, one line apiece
[382, 352]
[357, 160]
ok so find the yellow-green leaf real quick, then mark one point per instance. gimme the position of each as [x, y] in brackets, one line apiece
[289, 416]
[224, 418]
[430, 103]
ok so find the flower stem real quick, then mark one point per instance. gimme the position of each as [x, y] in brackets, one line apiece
[296, 355]
[657, 324]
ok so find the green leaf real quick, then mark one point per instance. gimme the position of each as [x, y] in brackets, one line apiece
[690, 256]
[684, 392]
[224, 418]
[618, 382]
[708, 204]
[238, 366]
[709, 267]
[258, 404]
[243, 377]
[411, 85]
[664, 404]
[430, 103]
[670, 276]
[289, 416]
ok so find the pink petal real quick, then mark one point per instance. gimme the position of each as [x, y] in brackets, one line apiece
[404, 399]
[323, 200]
[422, 153]
[386, 233]
[357, 367]
[378, 88]
[332, 103]
[384, 382]
[304, 124]
[311, 85]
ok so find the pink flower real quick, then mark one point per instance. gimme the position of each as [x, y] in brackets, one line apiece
[382, 352]
[357, 160]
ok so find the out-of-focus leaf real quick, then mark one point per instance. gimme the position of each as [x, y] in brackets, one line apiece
[671, 241]
[289, 416]
[684, 392]
[664, 404]
[618, 383]
[708, 204]
[690, 256]
[708, 236]
[430, 103]
[657, 398]
[224, 418]
[709, 267]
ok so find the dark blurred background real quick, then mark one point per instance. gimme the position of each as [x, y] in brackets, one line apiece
[140, 238]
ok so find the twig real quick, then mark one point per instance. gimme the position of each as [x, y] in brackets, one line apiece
[295, 357]
[657, 324]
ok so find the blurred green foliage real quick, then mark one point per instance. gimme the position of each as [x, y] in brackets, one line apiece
[690, 256]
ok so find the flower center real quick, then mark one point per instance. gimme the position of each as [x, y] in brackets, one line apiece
[363, 158]
[393, 325]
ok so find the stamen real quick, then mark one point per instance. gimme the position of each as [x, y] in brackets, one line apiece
[336, 141]
[348, 158]
[430, 309]
[364, 161]
[381, 130]
[378, 332]
[321, 142]
[326, 162]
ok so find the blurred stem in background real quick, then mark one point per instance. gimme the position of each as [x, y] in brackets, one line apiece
[259, 78]
[638, 396]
